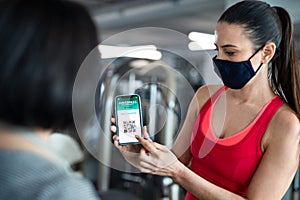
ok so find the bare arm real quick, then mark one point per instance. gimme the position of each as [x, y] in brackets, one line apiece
[281, 157]
[270, 181]
[275, 171]
[181, 147]
[161, 161]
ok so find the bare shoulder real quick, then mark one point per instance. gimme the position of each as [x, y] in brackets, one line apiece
[203, 94]
[285, 125]
[206, 91]
[287, 119]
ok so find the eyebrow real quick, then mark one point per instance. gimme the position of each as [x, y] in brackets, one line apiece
[226, 45]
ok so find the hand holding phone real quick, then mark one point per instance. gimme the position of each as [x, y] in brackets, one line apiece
[128, 118]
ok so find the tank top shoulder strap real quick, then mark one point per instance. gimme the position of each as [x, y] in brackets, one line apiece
[262, 121]
[214, 97]
[218, 93]
[268, 112]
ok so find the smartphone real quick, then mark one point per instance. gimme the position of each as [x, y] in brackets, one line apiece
[128, 118]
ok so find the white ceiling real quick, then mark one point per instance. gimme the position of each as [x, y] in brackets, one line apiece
[116, 16]
[182, 15]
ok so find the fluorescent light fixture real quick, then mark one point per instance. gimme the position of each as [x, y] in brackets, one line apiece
[143, 52]
[198, 37]
[150, 8]
[138, 63]
[198, 46]
[201, 41]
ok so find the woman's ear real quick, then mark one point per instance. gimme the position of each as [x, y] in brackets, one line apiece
[268, 52]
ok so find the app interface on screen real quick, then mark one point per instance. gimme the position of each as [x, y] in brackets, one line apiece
[128, 118]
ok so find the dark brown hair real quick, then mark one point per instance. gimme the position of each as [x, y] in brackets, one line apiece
[263, 24]
[43, 43]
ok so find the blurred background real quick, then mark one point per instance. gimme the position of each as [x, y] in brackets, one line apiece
[178, 38]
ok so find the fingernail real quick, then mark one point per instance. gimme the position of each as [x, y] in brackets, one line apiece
[137, 137]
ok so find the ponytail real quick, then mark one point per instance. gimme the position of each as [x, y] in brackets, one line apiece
[263, 24]
[285, 74]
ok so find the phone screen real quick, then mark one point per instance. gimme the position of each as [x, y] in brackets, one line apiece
[128, 118]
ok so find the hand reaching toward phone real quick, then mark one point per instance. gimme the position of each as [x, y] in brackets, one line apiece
[148, 156]
[158, 159]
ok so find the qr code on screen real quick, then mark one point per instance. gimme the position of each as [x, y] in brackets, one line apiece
[129, 126]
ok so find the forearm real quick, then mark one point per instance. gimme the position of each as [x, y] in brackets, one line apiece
[200, 187]
[159, 160]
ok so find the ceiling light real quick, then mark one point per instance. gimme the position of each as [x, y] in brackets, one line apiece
[201, 41]
[143, 52]
[198, 46]
[138, 63]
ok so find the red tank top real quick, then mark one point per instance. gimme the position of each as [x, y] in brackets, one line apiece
[230, 162]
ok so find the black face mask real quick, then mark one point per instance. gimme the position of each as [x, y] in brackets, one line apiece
[235, 75]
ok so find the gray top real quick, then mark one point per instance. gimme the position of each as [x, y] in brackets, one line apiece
[26, 175]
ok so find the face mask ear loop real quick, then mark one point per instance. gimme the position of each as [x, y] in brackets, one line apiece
[256, 52]
[254, 55]
[258, 67]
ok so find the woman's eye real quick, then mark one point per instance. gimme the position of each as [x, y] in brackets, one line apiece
[229, 53]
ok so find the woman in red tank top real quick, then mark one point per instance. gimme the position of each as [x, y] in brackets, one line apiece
[241, 140]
